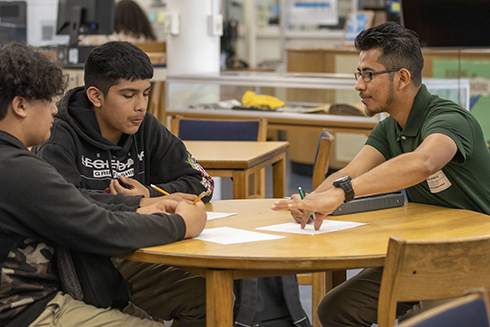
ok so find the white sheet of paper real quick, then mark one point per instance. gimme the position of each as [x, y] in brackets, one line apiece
[228, 235]
[216, 215]
[327, 226]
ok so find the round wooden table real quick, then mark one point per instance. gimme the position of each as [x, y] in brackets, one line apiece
[359, 247]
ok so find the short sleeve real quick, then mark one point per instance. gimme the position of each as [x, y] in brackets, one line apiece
[378, 139]
[455, 125]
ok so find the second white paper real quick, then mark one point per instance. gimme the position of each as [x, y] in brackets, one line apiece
[228, 235]
[327, 226]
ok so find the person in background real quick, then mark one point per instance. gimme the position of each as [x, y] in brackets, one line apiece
[105, 143]
[131, 20]
[49, 229]
[431, 147]
[131, 24]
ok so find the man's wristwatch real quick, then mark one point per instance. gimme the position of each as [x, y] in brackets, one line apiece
[345, 184]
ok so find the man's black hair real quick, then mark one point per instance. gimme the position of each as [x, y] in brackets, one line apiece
[27, 73]
[112, 61]
[400, 48]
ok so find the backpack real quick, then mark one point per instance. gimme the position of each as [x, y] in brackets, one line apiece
[270, 301]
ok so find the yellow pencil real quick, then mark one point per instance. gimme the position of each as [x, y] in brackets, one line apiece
[159, 189]
[199, 197]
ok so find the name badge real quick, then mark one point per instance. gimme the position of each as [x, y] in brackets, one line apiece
[438, 182]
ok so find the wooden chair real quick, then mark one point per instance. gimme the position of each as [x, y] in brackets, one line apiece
[321, 282]
[225, 130]
[156, 51]
[152, 46]
[470, 310]
[427, 270]
[320, 167]
[156, 102]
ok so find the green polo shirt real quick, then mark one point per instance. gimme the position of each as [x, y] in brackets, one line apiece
[465, 181]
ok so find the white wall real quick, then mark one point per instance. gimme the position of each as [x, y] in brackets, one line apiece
[41, 23]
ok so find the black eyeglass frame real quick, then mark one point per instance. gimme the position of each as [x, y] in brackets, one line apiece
[367, 76]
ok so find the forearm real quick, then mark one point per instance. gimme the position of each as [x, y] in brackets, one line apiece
[398, 173]
[372, 174]
[328, 182]
[407, 169]
[365, 160]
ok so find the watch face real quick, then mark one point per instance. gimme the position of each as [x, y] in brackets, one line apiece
[342, 179]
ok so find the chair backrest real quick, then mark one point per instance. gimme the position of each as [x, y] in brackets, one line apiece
[470, 310]
[321, 159]
[156, 51]
[152, 46]
[427, 270]
[157, 101]
[189, 129]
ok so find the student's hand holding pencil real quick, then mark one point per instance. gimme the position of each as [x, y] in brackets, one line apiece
[176, 196]
[194, 216]
[203, 194]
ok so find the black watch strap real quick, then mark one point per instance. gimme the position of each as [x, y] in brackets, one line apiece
[345, 184]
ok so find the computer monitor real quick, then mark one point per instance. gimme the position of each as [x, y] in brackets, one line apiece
[448, 23]
[85, 17]
[12, 21]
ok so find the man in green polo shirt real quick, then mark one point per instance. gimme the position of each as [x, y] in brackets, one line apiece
[431, 147]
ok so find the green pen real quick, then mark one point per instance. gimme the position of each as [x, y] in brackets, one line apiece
[302, 194]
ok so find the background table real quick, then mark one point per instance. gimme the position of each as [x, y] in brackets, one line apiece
[240, 159]
[358, 247]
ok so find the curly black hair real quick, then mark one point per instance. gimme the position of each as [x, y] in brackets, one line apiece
[400, 48]
[27, 73]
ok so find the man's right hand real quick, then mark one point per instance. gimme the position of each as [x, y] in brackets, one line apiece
[194, 215]
[298, 214]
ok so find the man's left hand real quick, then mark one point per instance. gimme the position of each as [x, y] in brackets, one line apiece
[135, 187]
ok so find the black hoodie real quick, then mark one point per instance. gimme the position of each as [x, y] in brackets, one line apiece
[153, 155]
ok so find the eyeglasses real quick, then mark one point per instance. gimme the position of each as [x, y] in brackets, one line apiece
[368, 76]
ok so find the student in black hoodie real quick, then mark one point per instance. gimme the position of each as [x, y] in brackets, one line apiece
[102, 135]
[44, 220]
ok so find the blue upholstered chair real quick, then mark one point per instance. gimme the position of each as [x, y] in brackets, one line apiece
[470, 310]
[417, 270]
[194, 129]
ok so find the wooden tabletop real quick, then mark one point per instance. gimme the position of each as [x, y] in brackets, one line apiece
[357, 247]
[234, 154]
